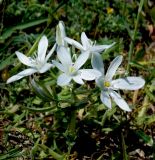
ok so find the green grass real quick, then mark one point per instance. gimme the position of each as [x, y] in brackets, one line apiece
[42, 125]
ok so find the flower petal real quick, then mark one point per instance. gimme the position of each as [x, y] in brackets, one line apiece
[60, 34]
[100, 82]
[89, 74]
[50, 52]
[74, 43]
[45, 67]
[59, 66]
[100, 48]
[63, 80]
[20, 75]
[81, 60]
[105, 98]
[97, 62]
[14, 78]
[42, 48]
[113, 67]
[27, 72]
[24, 59]
[128, 83]
[64, 56]
[85, 41]
[78, 79]
[119, 101]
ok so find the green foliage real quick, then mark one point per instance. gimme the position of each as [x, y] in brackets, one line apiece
[37, 119]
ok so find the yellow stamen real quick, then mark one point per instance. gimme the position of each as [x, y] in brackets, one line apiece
[106, 84]
[71, 69]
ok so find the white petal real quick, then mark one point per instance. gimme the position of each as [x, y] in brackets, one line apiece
[128, 83]
[113, 67]
[60, 34]
[24, 59]
[89, 74]
[59, 66]
[42, 48]
[100, 48]
[45, 67]
[14, 78]
[20, 75]
[97, 62]
[74, 43]
[63, 80]
[85, 41]
[100, 82]
[78, 79]
[27, 72]
[50, 52]
[105, 98]
[64, 56]
[81, 60]
[119, 101]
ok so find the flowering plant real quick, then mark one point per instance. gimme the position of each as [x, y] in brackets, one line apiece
[71, 70]
[69, 76]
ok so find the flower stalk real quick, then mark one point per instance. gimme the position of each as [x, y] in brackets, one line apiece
[133, 38]
[54, 154]
[72, 124]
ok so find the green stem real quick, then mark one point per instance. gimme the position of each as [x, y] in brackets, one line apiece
[125, 156]
[71, 132]
[52, 153]
[134, 36]
[55, 96]
[104, 118]
[72, 124]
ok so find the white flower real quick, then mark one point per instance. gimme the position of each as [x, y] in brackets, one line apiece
[38, 63]
[71, 70]
[61, 34]
[87, 47]
[109, 86]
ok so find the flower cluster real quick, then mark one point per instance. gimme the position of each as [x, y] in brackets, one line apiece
[71, 67]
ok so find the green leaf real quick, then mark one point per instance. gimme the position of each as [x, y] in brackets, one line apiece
[11, 154]
[139, 55]
[147, 139]
[150, 119]
[6, 62]
[41, 109]
[52, 153]
[41, 91]
[135, 64]
[8, 32]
